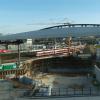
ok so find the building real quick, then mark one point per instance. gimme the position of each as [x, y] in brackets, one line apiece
[27, 45]
[98, 52]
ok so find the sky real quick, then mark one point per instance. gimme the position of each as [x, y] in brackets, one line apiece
[28, 15]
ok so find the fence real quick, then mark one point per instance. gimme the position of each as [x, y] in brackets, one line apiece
[60, 92]
[74, 92]
[54, 92]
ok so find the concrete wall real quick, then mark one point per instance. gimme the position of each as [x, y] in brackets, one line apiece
[98, 53]
[5, 90]
[97, 72]
[57, 81]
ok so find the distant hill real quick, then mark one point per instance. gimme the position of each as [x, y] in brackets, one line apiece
[1, 34]
[55, 32]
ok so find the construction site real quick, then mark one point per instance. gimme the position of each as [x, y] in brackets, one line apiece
[54, 67]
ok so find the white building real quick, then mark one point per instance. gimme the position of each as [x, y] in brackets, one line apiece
[98, 52]
[27, 45]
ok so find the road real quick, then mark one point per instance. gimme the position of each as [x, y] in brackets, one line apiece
[63, 98]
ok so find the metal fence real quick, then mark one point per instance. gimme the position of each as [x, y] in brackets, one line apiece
[75, 92]
[60, 92]
[54, 92]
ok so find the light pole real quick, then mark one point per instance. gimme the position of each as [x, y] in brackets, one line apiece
[0, 58]
[54, 45]
[18, 42]
[18, 54]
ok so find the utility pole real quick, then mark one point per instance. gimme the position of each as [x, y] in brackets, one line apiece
[0, 55]
[18, 43]
[0, 58]
[54, 45]
[18, 54]
[69, 44]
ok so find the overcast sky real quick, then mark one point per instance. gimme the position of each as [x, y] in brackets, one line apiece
[19, 15]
